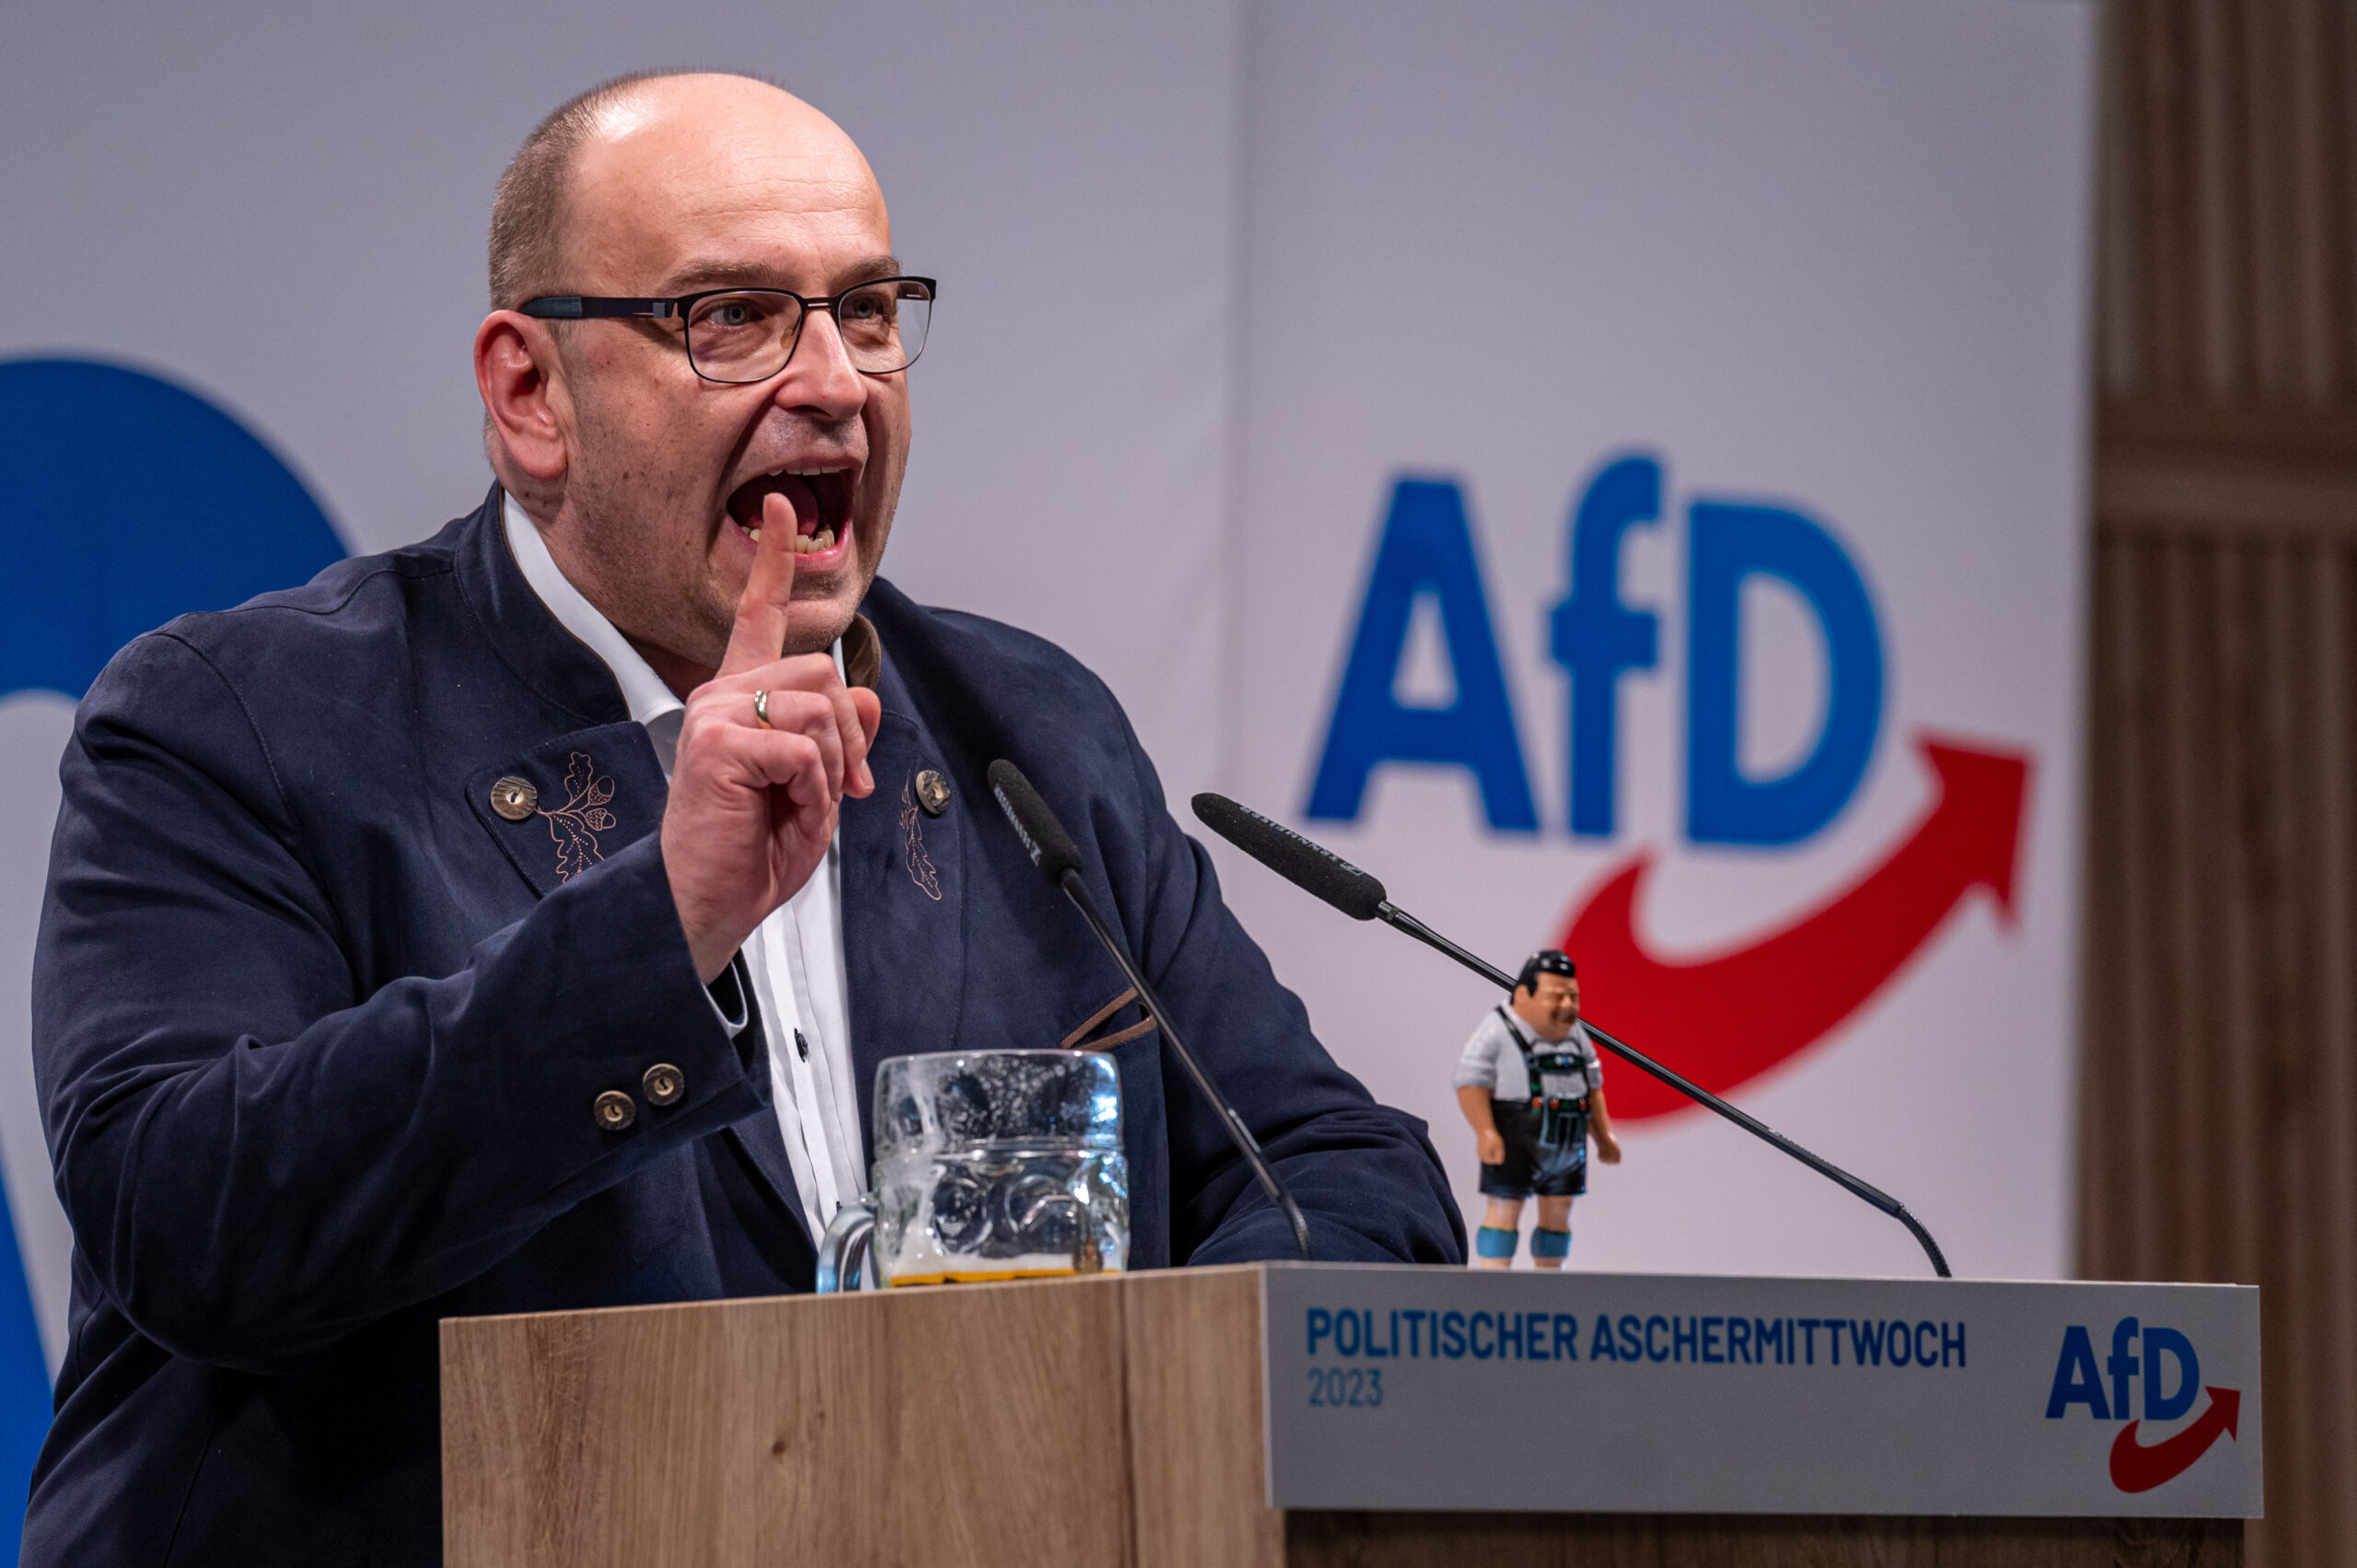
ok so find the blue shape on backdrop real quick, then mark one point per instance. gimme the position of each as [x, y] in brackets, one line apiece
[1596, 637]
[124, 501]
[1725, 544]
[1427, 547]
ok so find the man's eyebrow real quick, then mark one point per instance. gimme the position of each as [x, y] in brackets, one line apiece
[699, 275]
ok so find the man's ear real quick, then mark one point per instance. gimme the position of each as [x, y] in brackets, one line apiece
[522, 378]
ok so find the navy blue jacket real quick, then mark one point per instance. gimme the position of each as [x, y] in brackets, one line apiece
[318, 1031]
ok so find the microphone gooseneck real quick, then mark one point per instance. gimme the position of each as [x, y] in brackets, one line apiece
[1283, 851]
[1058, 857]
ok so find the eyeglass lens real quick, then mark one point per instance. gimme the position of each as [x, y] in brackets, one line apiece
[748, 336]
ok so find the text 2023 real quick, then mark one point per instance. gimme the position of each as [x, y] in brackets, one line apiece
[1359, 1387]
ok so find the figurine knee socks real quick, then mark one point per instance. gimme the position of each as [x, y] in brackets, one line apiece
[1492, 1242]
[1549, 1248]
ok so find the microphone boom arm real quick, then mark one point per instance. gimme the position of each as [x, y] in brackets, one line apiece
[1238, 1134]
[1398, 919]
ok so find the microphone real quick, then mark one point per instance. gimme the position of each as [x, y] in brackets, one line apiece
[1314, 868]
[1053, 851]
[1319, 871]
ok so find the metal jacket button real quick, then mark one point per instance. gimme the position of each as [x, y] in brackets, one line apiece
[664, 1083]
[614, 1110]
[933, 793]
[514, 799]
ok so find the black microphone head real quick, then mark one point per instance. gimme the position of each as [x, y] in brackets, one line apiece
[1311, 867]
[1051, 847]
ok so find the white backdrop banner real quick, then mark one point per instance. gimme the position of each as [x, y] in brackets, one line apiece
[1613, 468]
[1662, 533]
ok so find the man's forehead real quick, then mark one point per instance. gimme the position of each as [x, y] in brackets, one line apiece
[700, 166]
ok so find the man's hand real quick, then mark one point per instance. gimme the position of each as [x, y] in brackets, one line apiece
[1490, 1147]
[752, 810]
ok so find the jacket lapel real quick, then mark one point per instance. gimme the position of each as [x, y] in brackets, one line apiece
[903, 903]
[561, 805]
[566, 804]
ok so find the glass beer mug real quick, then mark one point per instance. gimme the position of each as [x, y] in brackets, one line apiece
[989, 1164]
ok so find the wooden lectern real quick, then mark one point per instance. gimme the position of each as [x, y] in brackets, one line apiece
[1084, 1423]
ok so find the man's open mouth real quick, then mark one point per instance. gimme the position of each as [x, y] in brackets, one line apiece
[820, 495]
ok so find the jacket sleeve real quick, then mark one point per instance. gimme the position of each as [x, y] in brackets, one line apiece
[257, 1159]
[1364, 1174]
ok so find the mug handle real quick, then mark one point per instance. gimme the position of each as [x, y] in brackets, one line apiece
[846, 1251]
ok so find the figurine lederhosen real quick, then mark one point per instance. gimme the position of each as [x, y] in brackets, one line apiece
[1546, 1136]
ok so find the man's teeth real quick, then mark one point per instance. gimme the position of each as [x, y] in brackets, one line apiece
[804, 544]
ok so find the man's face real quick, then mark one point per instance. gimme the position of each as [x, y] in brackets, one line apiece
[702, 182]
[1552, 1007]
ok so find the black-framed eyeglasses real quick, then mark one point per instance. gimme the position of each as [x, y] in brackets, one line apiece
[737, 336]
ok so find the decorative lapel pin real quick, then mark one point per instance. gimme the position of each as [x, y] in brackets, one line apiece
[921, 869]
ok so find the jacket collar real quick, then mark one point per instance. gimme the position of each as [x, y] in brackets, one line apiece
[535, 647]
[547, 656]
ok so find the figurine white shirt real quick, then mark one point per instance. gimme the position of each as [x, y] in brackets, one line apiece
[1492, 1058]
[795, 956]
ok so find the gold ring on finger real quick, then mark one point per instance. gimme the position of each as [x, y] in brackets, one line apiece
[762, 709]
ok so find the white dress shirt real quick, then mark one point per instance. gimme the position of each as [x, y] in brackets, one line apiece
[795, 956]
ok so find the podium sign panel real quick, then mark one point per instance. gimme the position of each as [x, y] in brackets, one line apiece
[1417, 1388]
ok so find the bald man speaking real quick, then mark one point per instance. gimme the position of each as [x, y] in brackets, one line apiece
[514, 922]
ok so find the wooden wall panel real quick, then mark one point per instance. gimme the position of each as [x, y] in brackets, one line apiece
[2218, 1113]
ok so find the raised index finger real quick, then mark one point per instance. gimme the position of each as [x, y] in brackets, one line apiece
[758, 636]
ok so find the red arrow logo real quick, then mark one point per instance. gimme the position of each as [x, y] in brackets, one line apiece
[2135, 1467]
[1726, 1020]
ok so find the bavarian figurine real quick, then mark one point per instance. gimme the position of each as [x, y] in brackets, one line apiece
[1533, 1089]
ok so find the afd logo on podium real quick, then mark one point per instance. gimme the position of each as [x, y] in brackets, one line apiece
[2145, 1360]
[1729, 1016]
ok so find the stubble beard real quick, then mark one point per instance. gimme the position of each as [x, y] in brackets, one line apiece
[648, 558]
[658, 588]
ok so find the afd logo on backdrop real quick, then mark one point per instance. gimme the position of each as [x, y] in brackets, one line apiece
[1726, 1017]
[2145, 1360]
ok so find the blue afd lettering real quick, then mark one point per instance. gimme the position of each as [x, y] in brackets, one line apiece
[1726, 544]
[2121, 1364]
[1596, 637]
[2159, 1342]
[1427, 547]
[2076, 1381]
[2079, 1380]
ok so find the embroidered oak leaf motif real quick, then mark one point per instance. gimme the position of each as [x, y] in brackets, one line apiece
[577, 824]
[920, 863]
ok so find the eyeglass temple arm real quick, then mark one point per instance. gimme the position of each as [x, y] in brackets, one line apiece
[574, 308]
